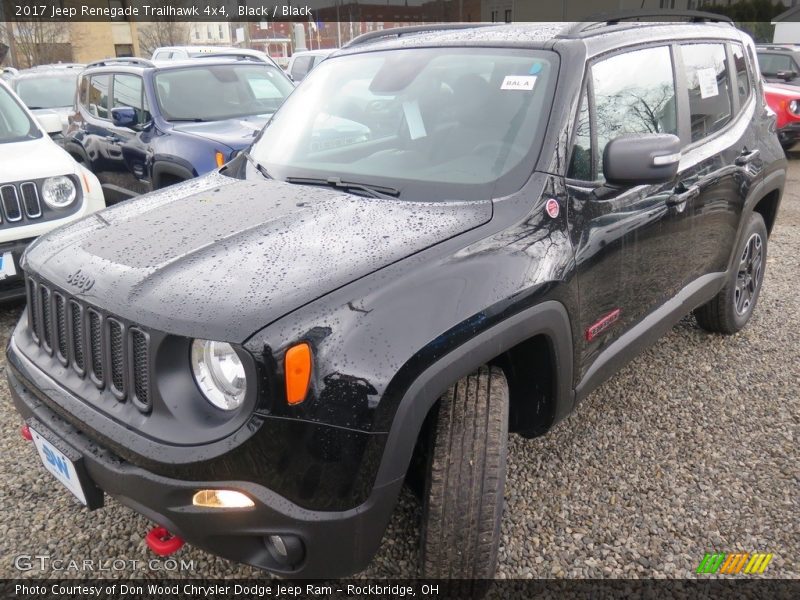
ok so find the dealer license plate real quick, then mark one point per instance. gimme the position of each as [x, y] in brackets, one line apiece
[59, 465]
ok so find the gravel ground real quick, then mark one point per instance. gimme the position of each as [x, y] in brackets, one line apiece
[691, 448]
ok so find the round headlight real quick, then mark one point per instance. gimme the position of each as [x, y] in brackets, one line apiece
[794, 107]
[219, 372]
[58, 192]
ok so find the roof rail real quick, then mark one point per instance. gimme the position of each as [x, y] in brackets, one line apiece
[122, 60]
[400, 31]
[656, 16]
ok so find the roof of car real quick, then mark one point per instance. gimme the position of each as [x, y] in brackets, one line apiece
[598, 36]
[194, 48]
[139, 65]
[49, 71]
[778, 47]
[315, 52]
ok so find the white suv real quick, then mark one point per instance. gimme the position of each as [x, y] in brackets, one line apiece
[41, 186]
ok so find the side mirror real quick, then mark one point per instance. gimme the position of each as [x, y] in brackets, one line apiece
[124, 116]
[641, 159]
[786, 75]
[50, 122]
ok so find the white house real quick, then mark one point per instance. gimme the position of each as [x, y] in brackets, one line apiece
[787, 27]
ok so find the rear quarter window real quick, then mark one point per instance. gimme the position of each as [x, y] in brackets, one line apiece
[744, 79]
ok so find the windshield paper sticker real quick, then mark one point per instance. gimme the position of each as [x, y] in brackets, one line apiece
[416, 126]
[707, 79]
[518, 82]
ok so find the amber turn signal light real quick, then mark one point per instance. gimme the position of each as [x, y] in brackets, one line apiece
[298, 372]
[220, 158]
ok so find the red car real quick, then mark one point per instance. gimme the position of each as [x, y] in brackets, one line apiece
[785, 101]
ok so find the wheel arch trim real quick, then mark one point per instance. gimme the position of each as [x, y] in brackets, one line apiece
[548, 318]
[162, 168]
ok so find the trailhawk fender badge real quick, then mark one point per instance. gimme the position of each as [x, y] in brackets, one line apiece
[552, 208]
[602, 325]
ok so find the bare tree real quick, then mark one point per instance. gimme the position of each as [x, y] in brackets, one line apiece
[39, 42]
[162, 33]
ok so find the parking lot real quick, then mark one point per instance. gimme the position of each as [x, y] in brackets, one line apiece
[691, 448]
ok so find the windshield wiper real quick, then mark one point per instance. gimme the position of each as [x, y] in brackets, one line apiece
[187, 120]
[376, 191]
[259, 167]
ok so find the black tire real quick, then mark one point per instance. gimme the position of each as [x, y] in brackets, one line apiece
[730, 310]
[463, 502]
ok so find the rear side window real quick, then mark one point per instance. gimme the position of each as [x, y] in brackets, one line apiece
[97, 99]
[707, 80]
[772, 63]
[634, 93]
[743, 79]
[129, 91]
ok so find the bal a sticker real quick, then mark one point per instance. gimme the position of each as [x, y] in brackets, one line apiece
[518, 82]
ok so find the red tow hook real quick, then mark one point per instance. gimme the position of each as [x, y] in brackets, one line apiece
[26, 432]
[162, 542]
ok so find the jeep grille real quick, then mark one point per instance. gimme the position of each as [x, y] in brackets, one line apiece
[20, 200]
[118, 355]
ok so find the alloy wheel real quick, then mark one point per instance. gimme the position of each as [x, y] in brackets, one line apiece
[748, 278]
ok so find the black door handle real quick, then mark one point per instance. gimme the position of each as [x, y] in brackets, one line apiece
[746, 157]
[682, 195]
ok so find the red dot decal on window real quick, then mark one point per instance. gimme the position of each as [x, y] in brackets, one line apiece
[552, 208]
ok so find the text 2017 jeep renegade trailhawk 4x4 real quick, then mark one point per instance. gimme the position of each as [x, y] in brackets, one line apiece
[258, 359]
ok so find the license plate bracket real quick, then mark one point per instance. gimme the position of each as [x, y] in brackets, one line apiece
[65, 464]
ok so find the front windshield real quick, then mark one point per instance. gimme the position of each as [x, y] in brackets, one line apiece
[452, 120]
[15, 124]
[50, 91]
[217, 92]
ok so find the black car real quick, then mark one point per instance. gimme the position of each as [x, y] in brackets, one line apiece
[141, 126]
[779, 63]
[445, 234]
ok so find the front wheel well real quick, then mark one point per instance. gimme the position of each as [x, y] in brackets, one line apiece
[767, 207]
[530, 370]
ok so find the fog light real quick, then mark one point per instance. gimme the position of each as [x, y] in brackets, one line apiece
[278, 545]
[221, 499]
[286, 550]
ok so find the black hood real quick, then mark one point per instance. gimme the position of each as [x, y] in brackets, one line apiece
[220, 258]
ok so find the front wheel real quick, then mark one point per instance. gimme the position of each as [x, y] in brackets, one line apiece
[463, 502]
[730, 310]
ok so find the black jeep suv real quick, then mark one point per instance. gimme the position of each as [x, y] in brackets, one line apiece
[444, 235]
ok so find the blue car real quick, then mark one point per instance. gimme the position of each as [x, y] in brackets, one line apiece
[141, 126]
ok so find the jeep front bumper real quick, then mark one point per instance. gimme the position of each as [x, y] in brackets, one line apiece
[334, 543]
